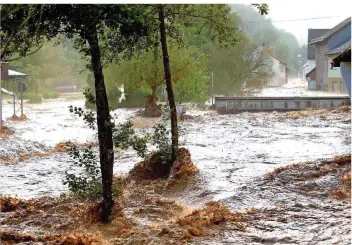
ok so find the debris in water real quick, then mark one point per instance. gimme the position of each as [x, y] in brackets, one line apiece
[20, 118]
[5, 132]
[155, 167]
[182, 168]
[214, 213]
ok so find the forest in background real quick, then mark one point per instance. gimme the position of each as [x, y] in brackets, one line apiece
[192, 64]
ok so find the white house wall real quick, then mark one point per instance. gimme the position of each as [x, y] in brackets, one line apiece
[275, 79]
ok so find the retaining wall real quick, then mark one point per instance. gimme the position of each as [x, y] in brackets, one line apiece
[279, 103]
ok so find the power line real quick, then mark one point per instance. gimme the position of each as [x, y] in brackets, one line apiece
[316, 18]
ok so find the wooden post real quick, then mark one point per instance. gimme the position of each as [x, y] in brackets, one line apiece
[212, 90]
[14, 98]
[0, 103]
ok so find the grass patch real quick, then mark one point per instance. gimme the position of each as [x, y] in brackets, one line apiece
[51, 95]
[33, 98]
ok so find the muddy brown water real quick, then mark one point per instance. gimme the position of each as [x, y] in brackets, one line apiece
[233, 152]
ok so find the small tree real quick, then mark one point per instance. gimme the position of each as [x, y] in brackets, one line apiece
[144, 71]
[215, 18]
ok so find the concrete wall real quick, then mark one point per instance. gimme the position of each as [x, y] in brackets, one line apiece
[346, 74]
[279, 104]
[321, 61]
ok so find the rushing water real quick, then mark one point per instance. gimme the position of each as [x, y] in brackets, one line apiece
[233, 152]
[230, 150]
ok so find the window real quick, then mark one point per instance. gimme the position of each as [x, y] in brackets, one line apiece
[342, 87]
[334, 86]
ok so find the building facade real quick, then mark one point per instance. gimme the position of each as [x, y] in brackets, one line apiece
[311, 79]
[279, 77]
[311, 64]
[324, 54]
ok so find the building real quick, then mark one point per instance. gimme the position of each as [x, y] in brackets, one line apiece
[310, 64]
[279, 77]
[6, 74]
[343, 60]
[311, 78]
[336, 82]
[330, 40]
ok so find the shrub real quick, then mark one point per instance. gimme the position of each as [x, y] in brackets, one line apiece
[51, 95]
[46, 95]
[87, 182]
[33, 98]
[54, 95]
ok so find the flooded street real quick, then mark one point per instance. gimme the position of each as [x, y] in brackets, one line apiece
[233, 153]
[230, 150]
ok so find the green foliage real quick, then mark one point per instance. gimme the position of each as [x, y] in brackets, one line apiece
[144, 72]
[33, 98]
[84, 177]
[124, 137]
[88, 116]
[262, 8]
[89, 96]
[162, 140]
[51, 95]
[54, 95]
[53, 66]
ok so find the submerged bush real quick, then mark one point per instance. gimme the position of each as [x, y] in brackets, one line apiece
[33, 98]
[51, 95]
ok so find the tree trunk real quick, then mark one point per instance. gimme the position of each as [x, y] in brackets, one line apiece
[152, 109]
[170, 92]
[106, 152]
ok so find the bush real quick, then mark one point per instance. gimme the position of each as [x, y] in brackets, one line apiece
[46, 95]
[33, 98]
[54, 95]
[87, 182]
[51, 95]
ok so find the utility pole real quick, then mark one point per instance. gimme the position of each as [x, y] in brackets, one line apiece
[212, 90]
[0, 99]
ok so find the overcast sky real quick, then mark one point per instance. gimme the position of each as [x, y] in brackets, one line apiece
[297, 9]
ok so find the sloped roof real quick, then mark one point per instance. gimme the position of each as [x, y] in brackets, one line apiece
[269, 52]
[313, 34]
[340, 49]
[332, 31]
[13, 73]
[310, 72]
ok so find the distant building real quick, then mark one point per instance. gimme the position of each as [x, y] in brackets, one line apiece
[311, 78]
[326, 43]
[310, 64]
[279, 77]
[343, 60]
[65, 86]
[336, 82]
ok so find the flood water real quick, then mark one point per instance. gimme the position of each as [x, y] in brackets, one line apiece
[230, 150]
[233, 152]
